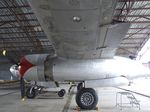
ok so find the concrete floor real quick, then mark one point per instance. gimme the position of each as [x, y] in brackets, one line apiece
[10, 101]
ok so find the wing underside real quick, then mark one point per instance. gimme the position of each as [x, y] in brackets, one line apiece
[81, 29]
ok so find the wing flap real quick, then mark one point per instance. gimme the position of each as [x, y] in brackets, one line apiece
[113, 36]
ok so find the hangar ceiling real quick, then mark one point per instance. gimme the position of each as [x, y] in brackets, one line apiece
[21, 33]
[136, 12]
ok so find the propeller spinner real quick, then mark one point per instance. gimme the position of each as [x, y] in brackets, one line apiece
[18, 70]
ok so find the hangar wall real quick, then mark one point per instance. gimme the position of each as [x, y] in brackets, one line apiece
[5, 73]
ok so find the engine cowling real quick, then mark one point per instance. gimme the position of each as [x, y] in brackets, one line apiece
[34, 67]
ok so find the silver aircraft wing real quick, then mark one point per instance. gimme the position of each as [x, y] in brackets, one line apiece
[80, 29]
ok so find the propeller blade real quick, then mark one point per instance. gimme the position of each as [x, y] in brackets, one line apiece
[22, 87]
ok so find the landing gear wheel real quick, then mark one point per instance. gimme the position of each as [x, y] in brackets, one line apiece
[61, 93]
[31, 93]
[79, 86]
[64, 91]
[87, 98]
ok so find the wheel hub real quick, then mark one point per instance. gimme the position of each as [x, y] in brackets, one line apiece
[87, 99]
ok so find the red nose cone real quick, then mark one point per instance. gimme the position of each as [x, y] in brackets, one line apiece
[24, 66]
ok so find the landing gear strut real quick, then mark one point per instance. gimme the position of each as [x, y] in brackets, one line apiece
[87, 98]
[80, 86]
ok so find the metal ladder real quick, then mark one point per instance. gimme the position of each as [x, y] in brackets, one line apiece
[132, 101]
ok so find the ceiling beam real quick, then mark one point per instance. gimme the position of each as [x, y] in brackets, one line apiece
[28, 26]
[131, 0]
[130, 43]
[17, 6]
[122, 16]
[7, 15]
[138, 28]
[25, 20]
[21, 37]
[138, 33]
[21, 46]
[136, 38]
[21, 32]
[135, 47]
[138, 8]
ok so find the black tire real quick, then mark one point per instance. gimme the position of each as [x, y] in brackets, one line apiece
[79, 86]
[31, 94]
[87, 98]
[64, 91]
[61, 93]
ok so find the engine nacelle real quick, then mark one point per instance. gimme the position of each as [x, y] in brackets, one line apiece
[43, 67]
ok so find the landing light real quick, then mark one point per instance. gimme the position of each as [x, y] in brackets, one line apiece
[76, 19]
